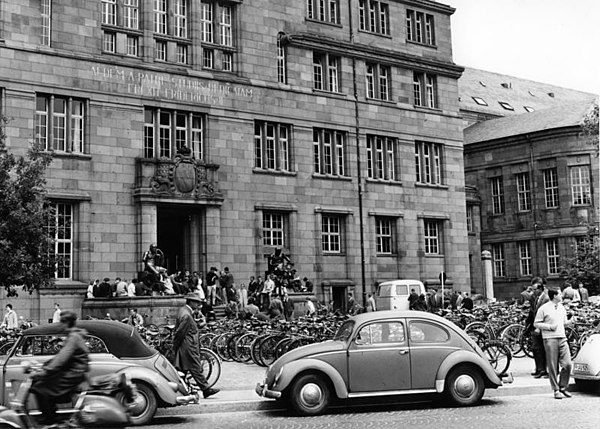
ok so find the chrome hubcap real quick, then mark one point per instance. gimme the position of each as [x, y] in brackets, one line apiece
[311, 394]
[465, 386]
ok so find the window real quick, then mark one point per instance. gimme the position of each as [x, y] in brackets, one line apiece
[132, 46]
[425, 332]
[166, 131]
[428, 163]
[497, 195]
[523, 192]
[182, 54]
[551, 188]
[160, 50]
[432, 235]
[281, 60]
[331, 234]
[373, 16]
[160, 16]
[180, 15]
[60, 123]
[505, 105]
[131, 13]
[499, 262]
[271, 146]
[470, 226]
[420, 27]
[329, 152]
[326, 72]
[217, 33]
[580, 186]
[274, 229]
[384, 235]
[525, 258]
[46, 15]
[480, 101]
[553, 256]
[529, 109]
[381, 157]
[109, 12]
[424, 90]
[381, 333]
[60, 229]
[109, 42]
[378, 81]
[323, 10]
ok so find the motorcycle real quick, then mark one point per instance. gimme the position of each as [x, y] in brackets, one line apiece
[95, 405]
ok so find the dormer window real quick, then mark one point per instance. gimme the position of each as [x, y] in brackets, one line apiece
[506, 105]
[529, 109]
[480, 101]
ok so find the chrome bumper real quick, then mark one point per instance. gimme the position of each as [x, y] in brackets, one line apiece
[262, 390]
[187, 399]
[507, 378]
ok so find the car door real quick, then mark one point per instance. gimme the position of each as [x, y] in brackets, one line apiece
[379, 358]
[430, 344]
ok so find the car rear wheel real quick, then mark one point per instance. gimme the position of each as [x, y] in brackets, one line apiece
[309, 395]
[464, 386]
[145, 407]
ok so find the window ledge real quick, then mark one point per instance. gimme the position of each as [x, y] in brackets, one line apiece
[433, 256]
[384, 182]
[550, 208]
[324, 92]
[374, 33]
[430, 185]
[380, 101]
[318, 21]
[386, 255]
[331, 177]
[428, 109]
[84, 156]
[425, 45]
[274, 172]
[334, 254]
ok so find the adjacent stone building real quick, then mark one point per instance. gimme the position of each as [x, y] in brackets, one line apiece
[223, 129]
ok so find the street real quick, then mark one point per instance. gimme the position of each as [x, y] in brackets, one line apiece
[539, 410]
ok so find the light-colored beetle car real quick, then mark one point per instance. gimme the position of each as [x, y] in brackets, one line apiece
[586, 365]
[382, 353]
[114, 348]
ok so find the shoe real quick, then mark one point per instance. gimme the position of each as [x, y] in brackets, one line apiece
[538, 375]
[535, 373]
[557, 394]
[210, 392]
[565, 393]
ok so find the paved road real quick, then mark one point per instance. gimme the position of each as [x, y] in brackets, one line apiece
[538, 410]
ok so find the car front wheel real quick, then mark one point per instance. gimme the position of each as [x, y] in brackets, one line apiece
[309, 395]
[464, 386]
[145, 406]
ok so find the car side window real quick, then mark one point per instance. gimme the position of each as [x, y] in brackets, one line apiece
[381, 333]
[95, 344]
[40, 346]
[425, 332]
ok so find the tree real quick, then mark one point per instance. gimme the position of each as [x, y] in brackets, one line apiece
[590, 128]
[584, 265]
[26, 249]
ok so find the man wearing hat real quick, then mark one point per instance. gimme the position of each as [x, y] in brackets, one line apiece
[185, 343]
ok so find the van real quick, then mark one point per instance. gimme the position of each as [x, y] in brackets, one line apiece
[393, 294]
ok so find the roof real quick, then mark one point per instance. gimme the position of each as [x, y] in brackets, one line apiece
[122, 340]
[567, 115]
[385, 314]
[494, 88]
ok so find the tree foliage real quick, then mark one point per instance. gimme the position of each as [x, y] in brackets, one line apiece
[25, 247]
[590, 128]
[584, 265]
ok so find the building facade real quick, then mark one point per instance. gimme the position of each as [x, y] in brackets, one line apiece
[221, 130]
[537, 178]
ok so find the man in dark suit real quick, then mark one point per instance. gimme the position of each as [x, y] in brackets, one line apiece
[104, 289]
[185, 343]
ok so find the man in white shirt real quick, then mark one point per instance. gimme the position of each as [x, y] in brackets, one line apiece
[551, 319]
[10, 318]
[310, 307]
[56, 315]
[131, 287]
[371, 303]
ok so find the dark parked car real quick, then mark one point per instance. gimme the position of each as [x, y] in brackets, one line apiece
[114, 348]
[379, 354]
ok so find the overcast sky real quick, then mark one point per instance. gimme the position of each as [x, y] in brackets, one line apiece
[550, 41]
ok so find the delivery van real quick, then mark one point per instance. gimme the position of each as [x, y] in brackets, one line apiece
[393, 294]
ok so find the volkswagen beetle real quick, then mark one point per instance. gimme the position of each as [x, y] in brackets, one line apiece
[114, 348]
[382, 353]
[586, 365]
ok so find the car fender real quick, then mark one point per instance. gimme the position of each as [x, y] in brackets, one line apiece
[156, 381]
[292, 369]
[461, 357]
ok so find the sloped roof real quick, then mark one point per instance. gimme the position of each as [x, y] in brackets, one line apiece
[567, 115]
[517, 92]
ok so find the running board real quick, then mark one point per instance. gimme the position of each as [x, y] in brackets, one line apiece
[391, 393]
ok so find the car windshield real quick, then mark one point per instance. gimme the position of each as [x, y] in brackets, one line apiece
[344, 331]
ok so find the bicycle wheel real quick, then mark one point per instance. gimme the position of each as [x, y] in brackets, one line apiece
[242, 346]
[5, 348]
[220, 346]
[205, 340]
[511, 336]
[573, 339]
[527, 343]
[282, 346]
[255, 349]
[498, 354]
[480, 327]
[267, 349]
[211, 366]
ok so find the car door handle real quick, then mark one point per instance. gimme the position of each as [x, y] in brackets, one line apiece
[403, 352]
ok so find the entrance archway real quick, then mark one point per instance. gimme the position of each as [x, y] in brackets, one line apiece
[179, 237]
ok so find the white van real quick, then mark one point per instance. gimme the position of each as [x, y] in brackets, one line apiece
[393, 294]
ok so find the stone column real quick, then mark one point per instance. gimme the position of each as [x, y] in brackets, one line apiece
[195, 233]
[488, 275]
[148, 230]
[213, 237]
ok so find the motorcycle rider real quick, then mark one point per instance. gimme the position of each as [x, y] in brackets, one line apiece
[61, 376]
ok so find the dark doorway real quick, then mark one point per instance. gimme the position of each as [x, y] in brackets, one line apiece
[173, 231]
[340, 298]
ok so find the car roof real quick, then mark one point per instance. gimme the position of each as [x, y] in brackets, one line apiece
[122, 340]
[390, 314]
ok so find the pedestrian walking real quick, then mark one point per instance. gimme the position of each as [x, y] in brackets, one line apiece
[537, 343]
[56, 314]
[371, 306]
[551, 319]
[11, 321]
[186, 346]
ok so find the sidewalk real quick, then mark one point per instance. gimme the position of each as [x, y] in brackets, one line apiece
[237, 383]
